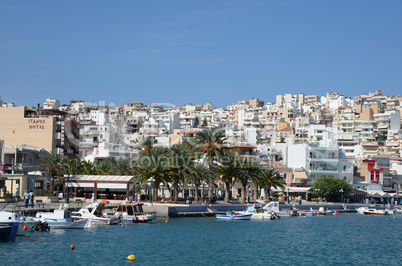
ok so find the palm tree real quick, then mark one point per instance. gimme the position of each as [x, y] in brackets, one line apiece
[71, 167]
[178, 163]
[196, 174]
[154, 165]
[209, 144]
[123, 166]
[228, 169]
[51, 163]
[270, 178]
[248, 172]
[146, 145]
[106, 166]
[88, 168]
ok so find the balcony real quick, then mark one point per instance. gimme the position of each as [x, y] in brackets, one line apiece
[323, 170]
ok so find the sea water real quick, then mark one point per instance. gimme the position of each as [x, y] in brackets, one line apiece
[333, 240]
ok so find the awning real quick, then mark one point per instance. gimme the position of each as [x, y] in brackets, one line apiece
[111, 185]
[80, 184]
[300, 174]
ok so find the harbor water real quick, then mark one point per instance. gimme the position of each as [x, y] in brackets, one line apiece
[343, 239]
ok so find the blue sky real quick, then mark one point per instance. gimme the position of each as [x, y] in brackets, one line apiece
[182, 52]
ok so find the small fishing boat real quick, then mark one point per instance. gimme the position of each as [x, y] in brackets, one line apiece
[273, 206]
[234, 216]
[324, 211]
[94, 212]
[61, 219]
[134, 213]
[373, 211]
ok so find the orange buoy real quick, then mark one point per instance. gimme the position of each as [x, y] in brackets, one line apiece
[72, 247]
[25, 227]
[161, 218]
[135, 218]
[348, 222]
[143, 219]
[122, 225]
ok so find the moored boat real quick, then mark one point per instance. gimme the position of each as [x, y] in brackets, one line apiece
[360, 210]
[134, 213]
[324, 211]
[8, 231]
[61, 219]
[258, 213]
[274, 207]
[9, 223]
[373, 211]
[93, 212]
[234, 216]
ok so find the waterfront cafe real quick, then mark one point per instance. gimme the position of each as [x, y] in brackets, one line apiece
[294, 192]
[113, 187]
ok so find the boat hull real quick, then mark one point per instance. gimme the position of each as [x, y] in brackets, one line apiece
[139, 218]
[30, 226]
[8, 231]
[80, 224]
[234, 217]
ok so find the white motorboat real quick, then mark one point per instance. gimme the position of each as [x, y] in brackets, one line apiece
[233, 216]
[93, 212]
[61, 219]
[361, 210]
[258, 213]
[372, 211]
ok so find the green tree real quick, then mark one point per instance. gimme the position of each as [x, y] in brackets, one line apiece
[88, 168]
[208, 144]
[196, 174]
[204, 122]
[227, 170]
[154, 165]
[146, 145]
[52, 163]
[249, 170]
[178, 161]
[270, 178]
[329, 187]
[123, 166]
[71, 167]
[106, 166]
[196, 122]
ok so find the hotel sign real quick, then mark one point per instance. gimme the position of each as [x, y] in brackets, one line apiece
[34, 124]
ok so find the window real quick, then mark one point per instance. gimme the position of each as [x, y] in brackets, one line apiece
[38, 184]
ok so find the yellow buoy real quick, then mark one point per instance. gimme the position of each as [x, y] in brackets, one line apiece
[159, 224]
[131, 258]
[166, 221]
[318, 215]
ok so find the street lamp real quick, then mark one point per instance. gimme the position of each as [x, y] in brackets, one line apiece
[150, 180]
[67, 199]
[316, 195]
[203, 194]
[341, 190]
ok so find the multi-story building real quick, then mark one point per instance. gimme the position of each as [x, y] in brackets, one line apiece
[50, 129]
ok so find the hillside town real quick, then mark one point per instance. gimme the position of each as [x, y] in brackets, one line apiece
[303, 137]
